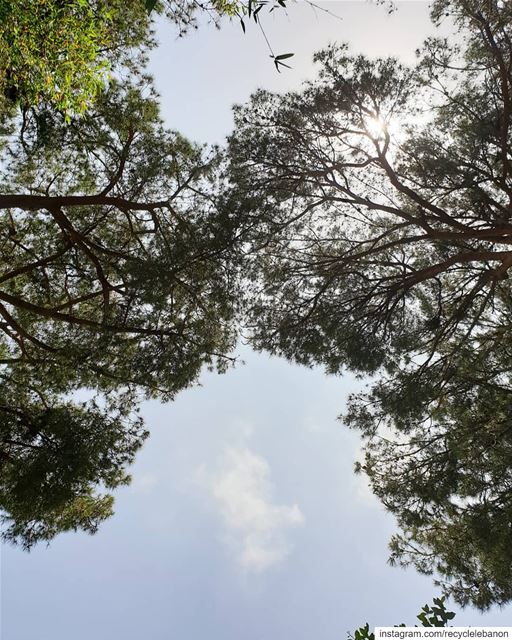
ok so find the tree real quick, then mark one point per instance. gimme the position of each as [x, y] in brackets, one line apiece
[119, 281]
[120, 266]
[380, 198]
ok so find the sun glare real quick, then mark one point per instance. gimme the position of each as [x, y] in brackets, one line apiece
[376, 127]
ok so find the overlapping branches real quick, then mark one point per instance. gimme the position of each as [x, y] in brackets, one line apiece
[382, 201]
[119, 280]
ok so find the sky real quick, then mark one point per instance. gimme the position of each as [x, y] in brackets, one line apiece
[244, 520]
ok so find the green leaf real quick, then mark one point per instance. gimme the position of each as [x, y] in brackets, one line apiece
[150, 5]
[257, 10]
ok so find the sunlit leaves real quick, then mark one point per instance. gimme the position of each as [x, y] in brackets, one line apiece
[60, 53]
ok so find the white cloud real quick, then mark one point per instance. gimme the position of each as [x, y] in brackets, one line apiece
[256, 526]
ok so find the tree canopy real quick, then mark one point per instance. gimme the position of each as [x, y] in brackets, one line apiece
[373, 211]
[119, 259]
[118, 281]
[380, 197]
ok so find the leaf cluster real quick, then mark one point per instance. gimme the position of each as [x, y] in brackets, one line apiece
[62, 53]
[429, 616]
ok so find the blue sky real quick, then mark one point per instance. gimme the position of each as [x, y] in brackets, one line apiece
[244, 520]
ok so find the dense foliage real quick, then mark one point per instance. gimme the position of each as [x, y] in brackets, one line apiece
[62, 53]
[118, 281]
[381, 198]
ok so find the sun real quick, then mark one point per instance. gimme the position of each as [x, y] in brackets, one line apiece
[376, 126]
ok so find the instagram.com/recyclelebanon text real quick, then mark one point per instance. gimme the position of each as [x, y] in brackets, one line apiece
[446, 633]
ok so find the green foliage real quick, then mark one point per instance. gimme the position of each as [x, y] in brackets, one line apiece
[120, 259]
[435, 615]
[119, 278]
[379, 197]
[429, 616]
[61, 53]
[52, 460]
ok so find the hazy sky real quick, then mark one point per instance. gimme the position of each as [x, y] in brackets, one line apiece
[244, 520]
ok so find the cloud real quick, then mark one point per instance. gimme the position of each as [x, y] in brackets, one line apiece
[242, 490]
